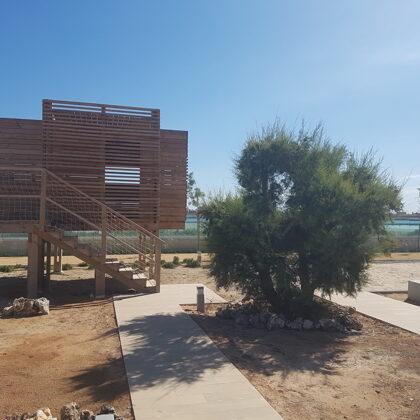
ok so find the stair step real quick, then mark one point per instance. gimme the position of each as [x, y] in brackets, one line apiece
[114, 263]
[56, 232]
[70, 240]
[127, 272]
[85, 248]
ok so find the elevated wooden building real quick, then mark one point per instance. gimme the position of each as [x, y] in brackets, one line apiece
[96, 181]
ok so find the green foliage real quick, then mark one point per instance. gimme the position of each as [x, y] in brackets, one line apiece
[66, 267]
[176, 260]
[6, 268]
[20, 267]
[168, 264]
[193, 192]
[191, 263]
[162, 262]
[83, 264]
[301, 221]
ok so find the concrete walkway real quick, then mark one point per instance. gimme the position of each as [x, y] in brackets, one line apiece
[174, 370]
[395, 312]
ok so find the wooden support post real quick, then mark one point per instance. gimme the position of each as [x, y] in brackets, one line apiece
[43, 200]
[142, 257]
[99, 284]
[47, 283]
[100, 275]
[33, 265]
[157, 264]
[41, 263]
[58, 260]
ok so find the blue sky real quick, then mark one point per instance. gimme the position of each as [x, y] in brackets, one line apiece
[222, 68]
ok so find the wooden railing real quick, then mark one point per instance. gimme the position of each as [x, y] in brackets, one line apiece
[39, 196]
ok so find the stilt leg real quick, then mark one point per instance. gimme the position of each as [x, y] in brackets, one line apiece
[99, 284]
[48, 269]
[33, 264]
[58, 260]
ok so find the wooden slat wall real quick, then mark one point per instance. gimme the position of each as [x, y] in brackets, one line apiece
[173, 188]
[20, 142]
[145, 167]
[82, 140]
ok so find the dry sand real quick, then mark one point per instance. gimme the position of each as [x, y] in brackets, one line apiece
[374, 374]
[72, 354]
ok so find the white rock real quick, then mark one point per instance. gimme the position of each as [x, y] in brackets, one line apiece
[275, 322]
[43, 305]
[8, 311]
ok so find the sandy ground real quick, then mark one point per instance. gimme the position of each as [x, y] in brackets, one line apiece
[392, 276]
[374, 374]
[73, 354]
[386, 273]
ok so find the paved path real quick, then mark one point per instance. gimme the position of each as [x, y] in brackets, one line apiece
[395, 312]
[174, 370]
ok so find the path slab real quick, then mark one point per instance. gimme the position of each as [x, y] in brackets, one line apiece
[174, 370]
[395, 312]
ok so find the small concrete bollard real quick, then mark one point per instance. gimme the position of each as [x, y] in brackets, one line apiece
[200, 299]
[199, 256]
[414, 290]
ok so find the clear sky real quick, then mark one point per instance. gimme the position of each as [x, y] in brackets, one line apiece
[222, 68]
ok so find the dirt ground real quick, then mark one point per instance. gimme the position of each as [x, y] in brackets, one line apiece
[374, 374]
[72, 354]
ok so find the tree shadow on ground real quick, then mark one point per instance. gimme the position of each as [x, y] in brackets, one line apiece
[280, 352]
[167, 349]
[104, 382]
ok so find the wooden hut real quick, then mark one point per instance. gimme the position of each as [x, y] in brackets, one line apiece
[97, 181]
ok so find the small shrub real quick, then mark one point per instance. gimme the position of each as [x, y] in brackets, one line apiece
[187, 260]
[176, 260]
[20, 267]
[66, 267]
[168, 265]
[6, 268]
[162, 262]
[193, 264]
[83, 264]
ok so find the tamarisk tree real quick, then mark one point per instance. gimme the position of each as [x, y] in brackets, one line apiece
[303, 219]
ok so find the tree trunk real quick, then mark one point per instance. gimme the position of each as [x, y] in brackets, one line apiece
[306, 287]
[269, 291]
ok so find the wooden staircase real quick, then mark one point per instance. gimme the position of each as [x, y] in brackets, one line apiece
[128, 277]
[59, 213]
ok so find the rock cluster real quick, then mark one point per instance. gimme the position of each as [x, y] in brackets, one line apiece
[253, 316]
[26, 307]
[41, 414]
[70, 411]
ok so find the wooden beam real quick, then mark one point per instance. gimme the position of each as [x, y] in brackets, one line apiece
[33, 265]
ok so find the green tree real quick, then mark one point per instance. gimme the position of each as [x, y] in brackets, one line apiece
[302, 220]
[195, 197]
